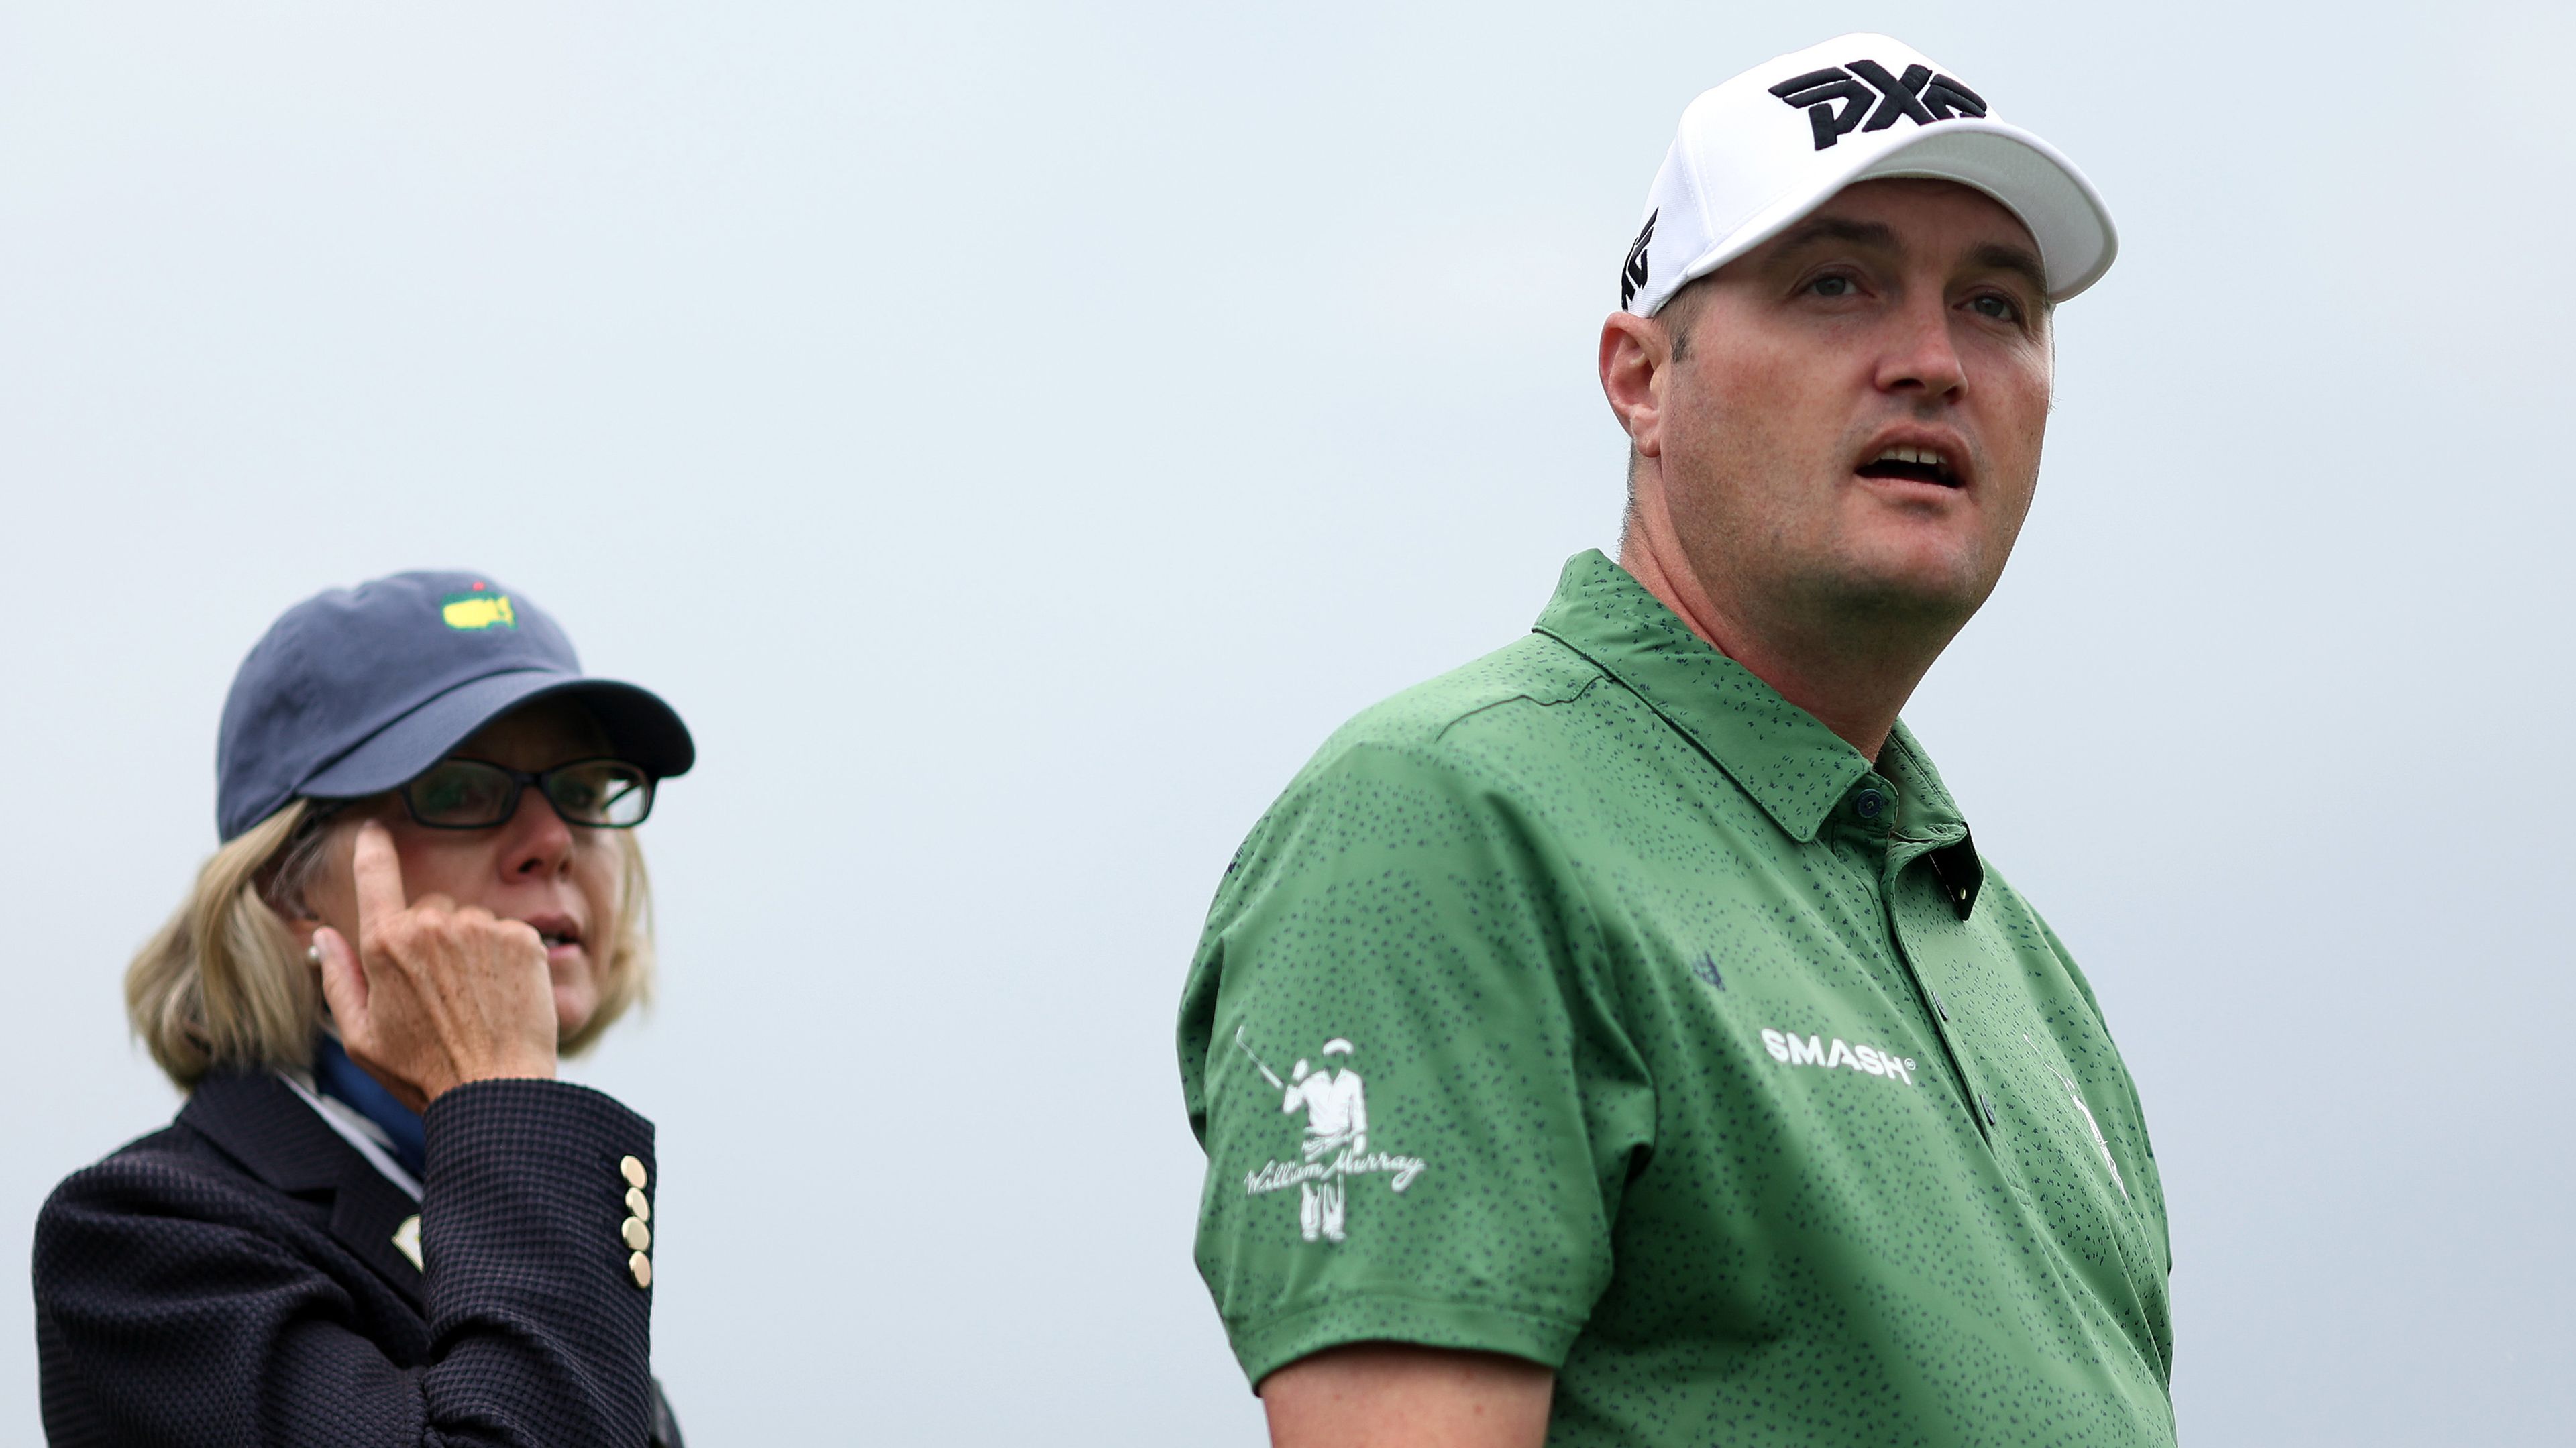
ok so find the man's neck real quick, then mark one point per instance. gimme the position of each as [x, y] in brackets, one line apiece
[1854, 680]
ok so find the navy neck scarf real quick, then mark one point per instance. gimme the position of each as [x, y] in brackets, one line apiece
[345, 1081]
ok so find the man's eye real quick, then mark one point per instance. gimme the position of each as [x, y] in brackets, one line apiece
[1999, 308]
[1831, 286]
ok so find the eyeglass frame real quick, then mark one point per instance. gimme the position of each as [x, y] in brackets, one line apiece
[520, 779]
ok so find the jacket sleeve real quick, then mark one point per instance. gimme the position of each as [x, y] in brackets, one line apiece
[187, 1318]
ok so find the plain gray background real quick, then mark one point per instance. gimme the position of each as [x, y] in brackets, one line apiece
[1014, 435]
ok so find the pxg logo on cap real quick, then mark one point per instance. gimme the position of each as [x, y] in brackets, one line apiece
[1918, 96]
[1754, 156]
[1633, 274]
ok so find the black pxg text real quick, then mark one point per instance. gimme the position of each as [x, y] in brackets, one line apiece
[1918, 95]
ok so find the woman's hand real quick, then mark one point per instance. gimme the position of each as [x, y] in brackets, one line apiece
[436, 994]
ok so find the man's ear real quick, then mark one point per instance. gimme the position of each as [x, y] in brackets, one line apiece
[1635, 355]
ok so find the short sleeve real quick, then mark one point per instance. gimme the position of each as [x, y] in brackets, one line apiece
[1401, 930]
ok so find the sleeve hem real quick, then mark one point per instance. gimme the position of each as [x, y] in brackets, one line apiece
[1268, 1344]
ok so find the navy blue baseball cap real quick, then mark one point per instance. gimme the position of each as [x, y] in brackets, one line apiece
[355, 690]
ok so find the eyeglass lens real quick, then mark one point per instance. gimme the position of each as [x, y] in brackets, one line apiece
[599, 792]
[467, 793]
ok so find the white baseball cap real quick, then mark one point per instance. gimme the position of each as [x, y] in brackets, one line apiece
[1761, 151]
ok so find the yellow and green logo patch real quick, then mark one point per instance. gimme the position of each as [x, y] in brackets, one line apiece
[476, 610]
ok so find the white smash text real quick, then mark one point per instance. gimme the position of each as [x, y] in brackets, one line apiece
[1812, 1051]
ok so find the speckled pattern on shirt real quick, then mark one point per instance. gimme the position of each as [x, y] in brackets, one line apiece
[1594, 1004]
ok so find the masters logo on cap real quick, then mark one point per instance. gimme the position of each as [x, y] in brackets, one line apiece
[352, 691]
[1756, 154]
[476, 609]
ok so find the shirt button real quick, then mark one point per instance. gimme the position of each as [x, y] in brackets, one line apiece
[632, 1170]
[637, 1206]
[1989, 1103]
[1869, 804]
[641, 1268]
[1940, 1005]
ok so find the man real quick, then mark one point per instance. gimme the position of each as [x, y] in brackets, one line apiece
[1336, 1123]
[1743, 1102]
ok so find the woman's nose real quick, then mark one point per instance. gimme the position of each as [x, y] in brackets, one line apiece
[536, 840]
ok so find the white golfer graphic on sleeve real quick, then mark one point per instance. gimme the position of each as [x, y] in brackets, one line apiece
[1336, 1117]
[1337, 1141]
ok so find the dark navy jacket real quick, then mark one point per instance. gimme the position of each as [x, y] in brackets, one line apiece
[233, 1280]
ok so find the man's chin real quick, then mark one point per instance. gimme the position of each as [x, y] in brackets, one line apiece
[1915, 584]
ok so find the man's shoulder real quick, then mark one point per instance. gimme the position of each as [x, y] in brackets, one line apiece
[1463, 718]
[1421, 765]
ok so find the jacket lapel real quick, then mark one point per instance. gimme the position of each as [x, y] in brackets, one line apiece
[261, 1122]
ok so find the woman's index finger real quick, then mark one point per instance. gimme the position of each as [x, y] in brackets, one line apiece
[377, 871]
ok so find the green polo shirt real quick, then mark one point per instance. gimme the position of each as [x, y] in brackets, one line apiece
[1596, 1005]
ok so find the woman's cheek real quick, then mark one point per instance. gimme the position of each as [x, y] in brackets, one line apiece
[576, 999]
[602, 873]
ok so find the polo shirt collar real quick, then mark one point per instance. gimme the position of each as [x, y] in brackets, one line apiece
[1781, 755]
[1785, 758]
[1929, 820]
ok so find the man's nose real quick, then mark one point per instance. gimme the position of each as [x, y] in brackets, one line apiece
[1921, 356]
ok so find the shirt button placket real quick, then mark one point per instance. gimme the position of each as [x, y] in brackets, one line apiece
[1981, 1107]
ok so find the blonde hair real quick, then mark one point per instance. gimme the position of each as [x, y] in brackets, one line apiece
[221, 986]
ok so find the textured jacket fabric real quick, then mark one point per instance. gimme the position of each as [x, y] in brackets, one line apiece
[234, 1280]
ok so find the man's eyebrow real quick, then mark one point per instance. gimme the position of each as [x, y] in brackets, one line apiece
[1996, 256]
[1876, 234]
[1992, 256]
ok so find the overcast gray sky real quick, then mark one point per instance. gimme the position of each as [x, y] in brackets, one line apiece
[1015, 435]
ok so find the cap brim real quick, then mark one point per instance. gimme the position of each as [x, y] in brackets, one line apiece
[2031, 178]
[641, 729]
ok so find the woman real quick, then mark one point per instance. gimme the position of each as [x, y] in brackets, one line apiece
[379, 1219]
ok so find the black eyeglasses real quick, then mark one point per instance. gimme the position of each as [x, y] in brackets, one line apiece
[470, 794]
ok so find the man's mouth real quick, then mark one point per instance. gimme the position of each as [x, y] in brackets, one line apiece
[1914, 464]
